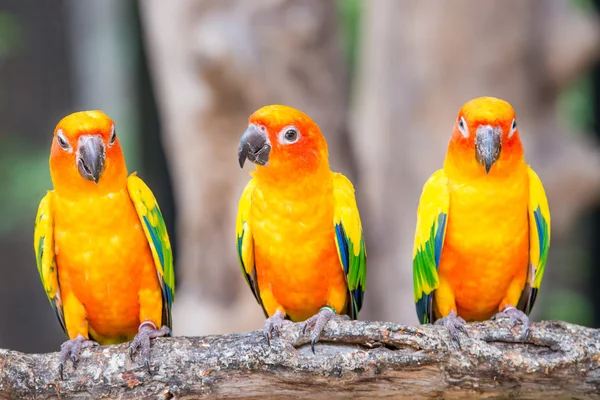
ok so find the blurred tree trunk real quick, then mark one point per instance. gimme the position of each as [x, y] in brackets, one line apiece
[420, 62]
[213, 63]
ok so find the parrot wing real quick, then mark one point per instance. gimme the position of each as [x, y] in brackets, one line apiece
[539, 241]
[432, 215]
[245, 241]
[156, 232]
[45, 258]
[350, 241]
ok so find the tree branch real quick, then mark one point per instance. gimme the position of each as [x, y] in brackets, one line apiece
[355, 359]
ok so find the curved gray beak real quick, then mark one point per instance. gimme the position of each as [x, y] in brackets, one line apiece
[254, 146]
[488, 145]
[90, 157]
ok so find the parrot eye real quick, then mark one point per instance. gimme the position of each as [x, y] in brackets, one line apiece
[289, 135]
[463, 128]
[513, 128]
[62, 140]
[113, 136]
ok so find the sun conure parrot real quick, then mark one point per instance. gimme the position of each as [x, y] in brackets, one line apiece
[101, 244]
[299, 236]
[483, 225]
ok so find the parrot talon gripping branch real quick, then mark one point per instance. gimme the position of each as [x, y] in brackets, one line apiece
[146, 331]
[482, 257]
[101, 245]
[453, 324]
[299, 237]
[317, 324]
[71, 349]
[273, 324]
[516, 317]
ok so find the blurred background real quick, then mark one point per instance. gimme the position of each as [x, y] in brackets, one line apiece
[384, 79]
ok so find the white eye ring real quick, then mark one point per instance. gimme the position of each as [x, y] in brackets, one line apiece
[289, 135]
[113, 136]
[62, 141]
[463, 128]
[513, 128]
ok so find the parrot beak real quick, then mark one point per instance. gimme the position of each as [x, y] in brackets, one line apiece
[488, 144]
[90, 157]
[254, 145]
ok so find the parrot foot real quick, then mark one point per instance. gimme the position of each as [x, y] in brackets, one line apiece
[71, 349]
[453, 323]
[141, 341]
[516, 317]
[273, 324]
[318, 322]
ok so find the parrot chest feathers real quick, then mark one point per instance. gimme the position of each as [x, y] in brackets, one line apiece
[101, 252]
[289, 227]
[487, 242]
[295, 252]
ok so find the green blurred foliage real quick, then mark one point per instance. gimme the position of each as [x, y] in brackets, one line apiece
[11, 35]
[570, 306]
[584, 5]
[568, 301]
[349, 17]
[25, 178]
[23, 169]
[566, 298]
[576, 104]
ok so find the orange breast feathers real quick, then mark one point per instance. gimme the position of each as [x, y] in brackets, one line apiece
[486, 249]
[105, 265]
[297, 262]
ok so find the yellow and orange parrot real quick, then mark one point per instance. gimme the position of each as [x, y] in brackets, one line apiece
[299, 236]
[483, 225]
[101, 244]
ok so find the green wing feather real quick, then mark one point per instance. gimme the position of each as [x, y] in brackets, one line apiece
[539, 241]
[430, 232]
[245, 241]
[43, 243]
[350, 241]
[156, 232]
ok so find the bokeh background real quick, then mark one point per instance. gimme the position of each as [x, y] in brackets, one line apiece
[383, 78]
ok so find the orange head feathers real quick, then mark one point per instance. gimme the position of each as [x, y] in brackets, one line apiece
[283, 137]
[86, 154]
[485, 135]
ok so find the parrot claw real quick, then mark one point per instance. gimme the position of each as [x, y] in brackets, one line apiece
[141, 341]
[454, 323]
[516, 317]
[71, 349]
[273, 324]
[318, 322]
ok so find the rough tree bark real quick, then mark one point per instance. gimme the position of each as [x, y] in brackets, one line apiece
[213, 63]
[420, 62]
[360, 360]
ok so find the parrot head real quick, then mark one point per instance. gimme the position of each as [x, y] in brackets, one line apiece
[86, 152]
[282, 137]
[485, 134]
